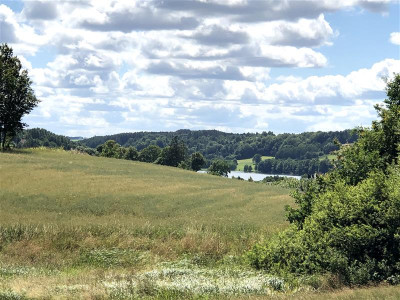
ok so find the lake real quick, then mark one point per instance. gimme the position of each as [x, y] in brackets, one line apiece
[254, 176]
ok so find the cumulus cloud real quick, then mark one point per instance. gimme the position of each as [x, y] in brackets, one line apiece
[8, 25]
[304, 33]
[261, 11]
[139, 19]
[219, 36]
[335, 90]
[119, 65]
[395, 38]
[40, 10]
[187, 72]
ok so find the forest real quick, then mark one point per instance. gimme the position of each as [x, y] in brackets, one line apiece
[294, 154]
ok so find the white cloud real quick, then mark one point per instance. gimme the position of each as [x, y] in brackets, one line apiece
[157, 65]
[395, 38]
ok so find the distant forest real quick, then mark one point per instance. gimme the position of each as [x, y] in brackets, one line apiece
[215, 144]
[296, 154]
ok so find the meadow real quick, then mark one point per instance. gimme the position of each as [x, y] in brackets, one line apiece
[74, 226]
[249, 162]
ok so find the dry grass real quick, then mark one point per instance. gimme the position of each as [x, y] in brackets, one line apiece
[61, 211]
[79, 227]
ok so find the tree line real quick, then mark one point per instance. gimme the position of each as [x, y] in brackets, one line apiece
[230, 146]
[294, 166]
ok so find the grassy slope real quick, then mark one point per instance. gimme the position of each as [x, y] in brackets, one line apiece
[63, 211]
[249, 162]
[75, 226]
[60, 187]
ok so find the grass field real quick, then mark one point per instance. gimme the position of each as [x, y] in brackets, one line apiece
[249, 162]
[79, 227]
[328, 156]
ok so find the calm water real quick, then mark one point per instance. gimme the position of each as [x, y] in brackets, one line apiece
[255, 176]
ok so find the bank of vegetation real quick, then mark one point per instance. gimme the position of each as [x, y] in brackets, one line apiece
[346, 224]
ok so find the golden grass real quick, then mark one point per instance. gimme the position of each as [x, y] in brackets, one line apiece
[69, 223]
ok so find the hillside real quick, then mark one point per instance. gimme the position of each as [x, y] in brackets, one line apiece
[76, 226]
[64, 211]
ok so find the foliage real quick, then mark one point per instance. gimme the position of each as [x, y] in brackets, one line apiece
[347, 222]
[215, 144]
[173, 154]
[131, 153]
[257, 158]
[110, 149]
[150, 153]
[87, 150]
[38, 137]
[16, 96]
[220, 168]
[197, 161]
[294, 166]
[248, 168]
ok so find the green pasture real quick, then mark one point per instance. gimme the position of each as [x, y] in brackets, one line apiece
[249, 162]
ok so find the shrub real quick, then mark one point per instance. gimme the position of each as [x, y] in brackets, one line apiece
[347, 222]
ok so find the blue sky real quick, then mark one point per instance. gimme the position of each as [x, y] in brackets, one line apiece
[103, 67]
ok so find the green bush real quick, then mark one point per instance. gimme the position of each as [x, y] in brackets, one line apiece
[347, 222]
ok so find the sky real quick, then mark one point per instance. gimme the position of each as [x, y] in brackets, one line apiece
[104, 67]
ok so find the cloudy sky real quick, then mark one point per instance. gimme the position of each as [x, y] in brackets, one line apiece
[102, 67]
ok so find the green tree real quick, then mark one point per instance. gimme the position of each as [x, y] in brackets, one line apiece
[110, 149]
[197, 161]
[347, 222]
[150, 154]
[131, 153]
[245, 168]
[173, 154]
[219, 167]
[17, 97]
[256, 158]
[120, 152]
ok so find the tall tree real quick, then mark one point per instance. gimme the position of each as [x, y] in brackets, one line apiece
[173, 154]
[16, 95]
[197, 161]
[256, 158]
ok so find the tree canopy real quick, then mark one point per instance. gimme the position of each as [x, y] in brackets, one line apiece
[16, 95]
[219, 167]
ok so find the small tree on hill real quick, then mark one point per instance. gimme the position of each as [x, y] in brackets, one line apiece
[16, 96]
[197, 161]
[220, 168]
[110, 149]
[150, 154]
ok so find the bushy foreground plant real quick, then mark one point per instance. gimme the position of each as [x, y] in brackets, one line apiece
[347, 222]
